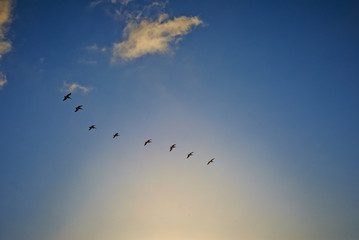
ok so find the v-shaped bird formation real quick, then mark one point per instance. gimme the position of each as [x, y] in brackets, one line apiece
[92, 127]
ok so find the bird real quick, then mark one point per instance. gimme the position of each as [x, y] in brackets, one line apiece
[116, 135]
[210, 161]
[78, 108]
[92, 127]
[172, 147]
[67, 97]
[147, 142]
[189, 154]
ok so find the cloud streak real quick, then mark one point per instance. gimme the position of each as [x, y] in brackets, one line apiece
[97, 2]
[74, 87]
[5, 45]
[124, 2]
[87, 62]
[3, 80]
[95, 48]
[152, 36]
[5, 20]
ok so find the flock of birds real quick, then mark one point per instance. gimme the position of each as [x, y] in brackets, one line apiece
[117, 134]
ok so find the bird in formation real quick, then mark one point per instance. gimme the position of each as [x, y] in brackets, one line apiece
[172, 147]
[79, 108]
[148, 141]
[67, 97]
[210, 161]
[116, 135]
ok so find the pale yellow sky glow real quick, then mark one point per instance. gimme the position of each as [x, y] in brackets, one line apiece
[148, 193]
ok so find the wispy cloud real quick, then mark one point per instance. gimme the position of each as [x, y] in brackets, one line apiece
[3, 80]
[74, 87]
[93, 47]
[97, 2]
[5, 45]
[150, 37]
[87, 61]
[5, 20]
[96, 48]
[124, 2]
[149, 30]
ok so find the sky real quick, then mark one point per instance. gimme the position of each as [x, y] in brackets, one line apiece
[267, 88]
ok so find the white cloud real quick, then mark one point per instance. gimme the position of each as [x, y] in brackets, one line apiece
[93, 47]
[150, 37]
[96, 48]
[5, 45]
[3, 80]
[95, 3]
[73, 87]
[5, 19]
[124, 2]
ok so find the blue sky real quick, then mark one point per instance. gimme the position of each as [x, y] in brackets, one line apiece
[268, 89]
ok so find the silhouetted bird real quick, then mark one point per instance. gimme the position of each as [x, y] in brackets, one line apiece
[210, 161]
[172, 147]
[78, 108]
[116, 135]
[147, 142]
[67, 97]
[92, 127]
[189, 154]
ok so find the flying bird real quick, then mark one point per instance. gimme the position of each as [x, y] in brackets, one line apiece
[210, 161]
[189, 154]
[92, 127]
[116, 135]
[78, 108]
[147, 142]
[172, 147]
[67, 97]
